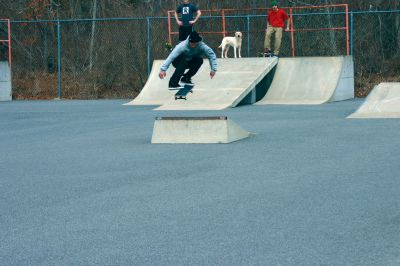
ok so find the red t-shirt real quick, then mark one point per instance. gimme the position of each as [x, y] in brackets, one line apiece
[277, 18]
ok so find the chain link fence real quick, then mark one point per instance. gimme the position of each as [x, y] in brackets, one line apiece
[376, 49]
[97, 59]
[34, 53]
[111, 58]
[4, 24]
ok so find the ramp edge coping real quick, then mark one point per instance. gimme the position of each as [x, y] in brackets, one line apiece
[192, 118]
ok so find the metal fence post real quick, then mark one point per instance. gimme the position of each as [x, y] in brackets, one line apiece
[248, 35]
[351, 32]
[148, 46]
[59, 58]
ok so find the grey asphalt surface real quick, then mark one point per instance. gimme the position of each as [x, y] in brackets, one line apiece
[80, 184]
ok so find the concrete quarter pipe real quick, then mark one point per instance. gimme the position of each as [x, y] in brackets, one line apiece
[311, 80]
[382, 102]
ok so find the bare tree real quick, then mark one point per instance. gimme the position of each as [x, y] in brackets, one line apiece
[397, 26]
[333, 42]
[92, 36]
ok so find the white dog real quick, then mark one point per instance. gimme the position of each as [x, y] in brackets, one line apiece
[235, 42]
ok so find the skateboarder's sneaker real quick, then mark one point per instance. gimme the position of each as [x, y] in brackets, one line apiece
[187, 81]
[175, 87]
[274, 55]
[267, 53]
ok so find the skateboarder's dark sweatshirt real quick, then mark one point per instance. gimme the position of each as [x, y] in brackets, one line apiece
[201, 50]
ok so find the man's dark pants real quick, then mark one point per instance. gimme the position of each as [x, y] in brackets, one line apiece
[181, 65]
[184, 32]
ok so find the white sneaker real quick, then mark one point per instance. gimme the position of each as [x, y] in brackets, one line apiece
[175, 88]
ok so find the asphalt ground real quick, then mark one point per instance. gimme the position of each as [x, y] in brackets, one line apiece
[80, 184]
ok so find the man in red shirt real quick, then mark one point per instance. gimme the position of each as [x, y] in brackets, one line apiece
[275, 24]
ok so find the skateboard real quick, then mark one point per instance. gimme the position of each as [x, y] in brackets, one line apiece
[267, 55]
[182, 93]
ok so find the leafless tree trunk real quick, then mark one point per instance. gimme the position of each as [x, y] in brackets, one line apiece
[331, 33]
[397, 24]
[381, 32]
[94, 12]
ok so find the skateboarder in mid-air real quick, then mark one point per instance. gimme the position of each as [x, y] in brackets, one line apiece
[189, 55]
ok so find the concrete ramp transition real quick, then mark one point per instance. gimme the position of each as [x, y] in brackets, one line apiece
[155, 91]
[235, 79]
[5, 81]
[382, 102]
[218, 129]
[311, 80]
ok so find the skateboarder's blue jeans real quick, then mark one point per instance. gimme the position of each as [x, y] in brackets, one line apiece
[181, 64]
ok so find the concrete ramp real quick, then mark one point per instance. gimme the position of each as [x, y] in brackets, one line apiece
[155, 91]
[5, 81]
[235, 79]
[311, 80]
[218, 129]
[382, 102]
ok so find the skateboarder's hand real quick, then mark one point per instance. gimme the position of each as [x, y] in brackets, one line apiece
[179, 22]
[162, 74]
[212, 74]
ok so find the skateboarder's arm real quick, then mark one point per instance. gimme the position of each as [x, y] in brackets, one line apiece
[179, 49]
[212, 58]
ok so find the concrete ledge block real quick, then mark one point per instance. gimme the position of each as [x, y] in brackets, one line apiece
[218, 129]
[5, 81]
